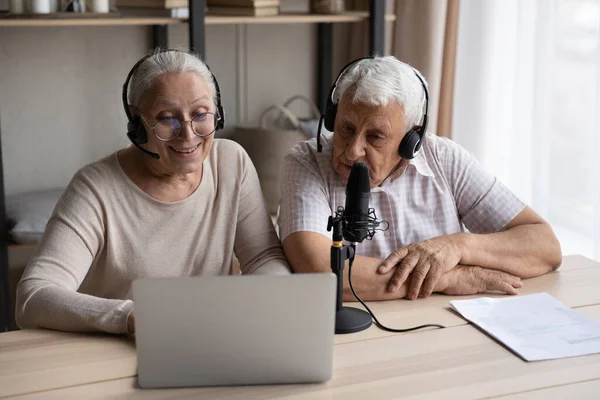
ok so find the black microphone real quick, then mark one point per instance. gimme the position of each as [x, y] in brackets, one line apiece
[354, 223]
[357, 221]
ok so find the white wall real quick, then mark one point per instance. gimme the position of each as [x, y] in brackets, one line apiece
[60, 88]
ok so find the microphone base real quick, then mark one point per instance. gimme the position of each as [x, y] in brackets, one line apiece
[351, 320]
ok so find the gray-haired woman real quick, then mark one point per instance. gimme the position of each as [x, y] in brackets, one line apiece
[182, 206]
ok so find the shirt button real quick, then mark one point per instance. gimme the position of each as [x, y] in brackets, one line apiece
[386, 234]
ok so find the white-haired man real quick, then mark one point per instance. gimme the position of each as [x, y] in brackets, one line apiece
[428, 198]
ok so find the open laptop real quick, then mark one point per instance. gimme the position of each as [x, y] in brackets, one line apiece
[234, 330]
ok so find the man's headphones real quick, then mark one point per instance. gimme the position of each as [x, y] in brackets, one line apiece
[135, 128]
[413, 139]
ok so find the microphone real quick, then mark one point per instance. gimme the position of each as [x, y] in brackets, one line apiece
[359, 222]
[133, 139]
[354, 223]
[356, 212]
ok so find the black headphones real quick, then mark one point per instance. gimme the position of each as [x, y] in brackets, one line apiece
[135, 128]
[413, 139]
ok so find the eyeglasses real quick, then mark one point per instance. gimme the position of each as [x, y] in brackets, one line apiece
[166, 129]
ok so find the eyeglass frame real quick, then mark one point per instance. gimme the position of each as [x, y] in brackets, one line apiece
[153, 126]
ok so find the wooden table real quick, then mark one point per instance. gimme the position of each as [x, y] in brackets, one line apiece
[459, 362]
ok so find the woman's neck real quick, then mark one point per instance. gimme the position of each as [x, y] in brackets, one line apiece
[155, 183]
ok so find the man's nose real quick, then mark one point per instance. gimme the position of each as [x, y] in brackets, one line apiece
[356, 149]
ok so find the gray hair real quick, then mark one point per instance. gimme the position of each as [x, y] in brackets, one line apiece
[379, 80]
[167, 62]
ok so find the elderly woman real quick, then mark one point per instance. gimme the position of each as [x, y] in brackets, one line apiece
[184, 211]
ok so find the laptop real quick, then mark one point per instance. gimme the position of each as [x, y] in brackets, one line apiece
[234, 330]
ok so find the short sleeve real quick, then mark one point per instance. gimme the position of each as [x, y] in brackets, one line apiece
[483, 203]
[304, 203]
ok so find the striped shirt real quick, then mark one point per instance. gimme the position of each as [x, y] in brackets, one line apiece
[441, 191]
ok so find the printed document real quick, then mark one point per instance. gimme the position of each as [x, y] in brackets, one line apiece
[536, 327]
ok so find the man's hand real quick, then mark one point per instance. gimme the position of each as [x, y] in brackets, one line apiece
[425, 261]
[467, 279]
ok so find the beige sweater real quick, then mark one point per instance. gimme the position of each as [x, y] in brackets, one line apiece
[106, 232]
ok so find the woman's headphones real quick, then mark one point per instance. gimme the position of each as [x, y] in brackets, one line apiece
[413, 139]
[135, 128]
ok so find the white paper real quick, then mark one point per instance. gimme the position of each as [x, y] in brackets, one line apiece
[536, 327]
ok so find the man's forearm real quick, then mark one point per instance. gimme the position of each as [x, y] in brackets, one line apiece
[308, 252]
[368, 284]
[525, 250]
[372, 286]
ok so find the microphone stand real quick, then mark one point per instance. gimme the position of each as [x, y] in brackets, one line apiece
[347, 319]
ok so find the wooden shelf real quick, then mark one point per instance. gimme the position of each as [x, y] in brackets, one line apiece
[292, 18]
[90, 21]
[285, 18]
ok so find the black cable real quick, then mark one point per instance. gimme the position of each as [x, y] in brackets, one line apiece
[379, 324]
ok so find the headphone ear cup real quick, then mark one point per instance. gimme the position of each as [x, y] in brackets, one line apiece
[221, 121]
[136, 132]
[330, 113]
[410, 145]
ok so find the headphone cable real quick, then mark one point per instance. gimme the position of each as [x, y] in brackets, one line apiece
[379, 324]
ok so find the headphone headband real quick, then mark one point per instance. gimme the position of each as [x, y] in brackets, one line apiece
[423, 128]
[342, 73]
[126, 85]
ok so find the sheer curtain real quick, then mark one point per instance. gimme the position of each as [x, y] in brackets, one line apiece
[527, 104]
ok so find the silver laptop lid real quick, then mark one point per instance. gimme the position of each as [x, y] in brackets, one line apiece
[234, 330]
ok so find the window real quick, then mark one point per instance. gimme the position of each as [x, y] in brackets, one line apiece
[527, 104]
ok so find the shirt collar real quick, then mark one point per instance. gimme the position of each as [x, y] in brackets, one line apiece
[419, 163]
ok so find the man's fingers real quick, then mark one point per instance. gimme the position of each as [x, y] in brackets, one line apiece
[506, 288]
[393, 259]
[510, 279]
[429, 283]
[406, 266]
[418, 276]
[519, 284]
[505, 282]
[514, 281]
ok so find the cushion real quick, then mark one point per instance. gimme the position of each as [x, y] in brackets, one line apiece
[28, 214]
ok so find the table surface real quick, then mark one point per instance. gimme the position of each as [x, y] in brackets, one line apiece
[458, 362]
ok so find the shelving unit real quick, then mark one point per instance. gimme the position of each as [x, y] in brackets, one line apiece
[42, 22]
[197, 21]
[284, 18]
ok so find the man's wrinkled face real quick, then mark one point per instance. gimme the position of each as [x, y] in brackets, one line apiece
[367, 134]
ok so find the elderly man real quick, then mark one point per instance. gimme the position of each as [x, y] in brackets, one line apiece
[428, 189]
